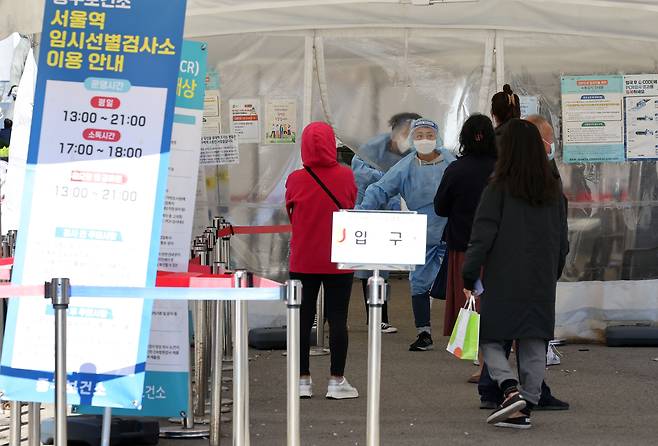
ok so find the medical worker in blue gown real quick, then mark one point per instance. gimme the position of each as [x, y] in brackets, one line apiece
[416, 178]
[373, 160]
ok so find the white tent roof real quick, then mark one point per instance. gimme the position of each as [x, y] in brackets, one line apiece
[635, 19]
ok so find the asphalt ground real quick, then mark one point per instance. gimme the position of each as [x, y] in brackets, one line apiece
[426, 400]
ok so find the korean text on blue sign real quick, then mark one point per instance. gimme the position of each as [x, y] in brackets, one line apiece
[94, 194]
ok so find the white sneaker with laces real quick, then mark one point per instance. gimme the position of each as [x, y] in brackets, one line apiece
[552, 356]
[305, 387]
[341, 390]
[388, 328]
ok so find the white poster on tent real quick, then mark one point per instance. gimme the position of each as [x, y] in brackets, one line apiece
[245, 119]
[20, 137]
[529, 105]
[641, 107]
[219, 150]
[281, 121]
[592, 112]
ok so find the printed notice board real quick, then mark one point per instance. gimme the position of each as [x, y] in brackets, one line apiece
[94, 194]
[641, 116]
[592, 116]
[168, 363]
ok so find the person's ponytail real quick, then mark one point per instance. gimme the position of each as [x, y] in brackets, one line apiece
[505, 105]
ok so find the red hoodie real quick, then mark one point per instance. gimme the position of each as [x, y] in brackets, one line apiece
[310, 208]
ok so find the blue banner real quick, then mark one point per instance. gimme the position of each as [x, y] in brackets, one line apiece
[94, 194]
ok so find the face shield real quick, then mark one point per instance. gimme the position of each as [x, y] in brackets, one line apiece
[384, 151]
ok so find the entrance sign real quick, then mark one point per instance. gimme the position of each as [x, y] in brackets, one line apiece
[94, 194]
[378, 240]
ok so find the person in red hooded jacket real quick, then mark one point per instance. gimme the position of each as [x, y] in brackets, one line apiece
[313, 194]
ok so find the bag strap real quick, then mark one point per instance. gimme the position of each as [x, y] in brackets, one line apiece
[324, 188]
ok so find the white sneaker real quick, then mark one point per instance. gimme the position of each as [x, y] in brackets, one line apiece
[388, 328]
[341, 390]
[305, 387]
[552, 356]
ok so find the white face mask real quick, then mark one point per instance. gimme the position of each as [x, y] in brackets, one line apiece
[425, 146]
[403, 145]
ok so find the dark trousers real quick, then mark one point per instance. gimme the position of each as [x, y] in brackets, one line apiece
[337, 291]
[364, 285]
[489, 389]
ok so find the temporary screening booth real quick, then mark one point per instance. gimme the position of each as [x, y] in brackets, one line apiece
[355, 63]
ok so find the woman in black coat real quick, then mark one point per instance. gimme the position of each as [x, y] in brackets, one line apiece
[519, 239]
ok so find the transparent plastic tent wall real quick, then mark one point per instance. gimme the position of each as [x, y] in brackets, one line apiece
[357, 78]
[361, 77]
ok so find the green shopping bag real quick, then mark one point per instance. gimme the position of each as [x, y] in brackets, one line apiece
[465, 337]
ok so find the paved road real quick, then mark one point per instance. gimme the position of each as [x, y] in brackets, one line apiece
[426, 400]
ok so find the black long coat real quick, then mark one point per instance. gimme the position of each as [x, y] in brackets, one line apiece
[522, 249]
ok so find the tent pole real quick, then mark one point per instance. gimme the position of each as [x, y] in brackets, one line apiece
[500, 60]
[487, 72]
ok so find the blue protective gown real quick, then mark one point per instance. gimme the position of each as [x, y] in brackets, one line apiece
[366, 174]
[376, 153]
[417, 184]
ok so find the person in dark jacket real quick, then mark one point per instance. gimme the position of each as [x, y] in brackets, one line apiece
[505, 106]
[457, 198]
[519, 241]
[311, 209]
[5, 133]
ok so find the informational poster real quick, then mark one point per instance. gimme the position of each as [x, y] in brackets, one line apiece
[245, 119]
[94, 195]
[529, 105]
[280, 121]
[641, 108]
[184, 163]
[592, 114]
[168, 363]
[219, 150]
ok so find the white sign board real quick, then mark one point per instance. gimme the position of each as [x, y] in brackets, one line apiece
[245, 119]
[641, 106]
[219, 150]
[390, 240]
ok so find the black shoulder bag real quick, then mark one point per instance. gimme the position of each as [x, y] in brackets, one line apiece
[324, 188]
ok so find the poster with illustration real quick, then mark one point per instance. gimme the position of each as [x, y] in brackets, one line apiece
[281, 121]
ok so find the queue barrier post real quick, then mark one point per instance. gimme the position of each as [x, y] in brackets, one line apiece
[240, 369]
[376, 299]
[34, 424]
[15, 423]
[59, 292]
[293, 302]
[319, 349]
[216, 375]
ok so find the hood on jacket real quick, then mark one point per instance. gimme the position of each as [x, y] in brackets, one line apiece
[319, 145]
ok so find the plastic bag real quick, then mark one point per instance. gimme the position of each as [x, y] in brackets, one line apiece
[465, 338]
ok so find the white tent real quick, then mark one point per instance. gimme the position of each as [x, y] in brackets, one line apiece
[355, 63]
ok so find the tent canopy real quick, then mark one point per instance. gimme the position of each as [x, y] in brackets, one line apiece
[614, 18]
